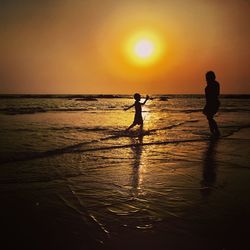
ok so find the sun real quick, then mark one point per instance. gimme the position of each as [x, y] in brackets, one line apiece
[144, 48]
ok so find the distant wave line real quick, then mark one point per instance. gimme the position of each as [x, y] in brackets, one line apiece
[111, 96]
[34, 110]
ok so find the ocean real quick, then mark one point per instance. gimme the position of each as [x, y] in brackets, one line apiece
[72, 178]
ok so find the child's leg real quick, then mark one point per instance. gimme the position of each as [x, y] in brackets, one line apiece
[131, 126]
[141, 128]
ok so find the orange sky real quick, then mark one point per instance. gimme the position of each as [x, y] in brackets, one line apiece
[63, 46]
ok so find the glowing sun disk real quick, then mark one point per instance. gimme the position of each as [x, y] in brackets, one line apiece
[144, 48]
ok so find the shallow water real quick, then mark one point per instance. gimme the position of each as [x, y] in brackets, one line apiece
[67, 121]
[73, 164]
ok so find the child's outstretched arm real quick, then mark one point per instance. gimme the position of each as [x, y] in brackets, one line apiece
[129, 107]
[147, 97]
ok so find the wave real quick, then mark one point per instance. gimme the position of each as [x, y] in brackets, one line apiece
[79, 128]
[33, 110]
[86, 99]
[76, 147]
[52, 96]
[234, 110]
[65, 128]
[226, 110]
[22, 110]
[181, 110]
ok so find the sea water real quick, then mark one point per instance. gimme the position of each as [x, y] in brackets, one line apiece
[66, 151]
[41, 123]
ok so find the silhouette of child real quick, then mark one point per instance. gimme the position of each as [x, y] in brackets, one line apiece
[138, 115]
[212, 92]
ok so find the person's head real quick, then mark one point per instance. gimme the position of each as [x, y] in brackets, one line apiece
[210, 76]
[137, 97]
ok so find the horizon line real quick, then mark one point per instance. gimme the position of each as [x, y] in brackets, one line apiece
[131, 93]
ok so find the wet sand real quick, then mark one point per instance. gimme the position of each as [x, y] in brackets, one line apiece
[189, 195]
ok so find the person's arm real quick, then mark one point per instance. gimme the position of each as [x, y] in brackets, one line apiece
[147, 97]
[129, 107]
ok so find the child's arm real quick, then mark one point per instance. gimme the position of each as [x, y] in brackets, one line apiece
[129, 107]
[147, 97]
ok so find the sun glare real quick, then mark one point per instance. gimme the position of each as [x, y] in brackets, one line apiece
[144, 48]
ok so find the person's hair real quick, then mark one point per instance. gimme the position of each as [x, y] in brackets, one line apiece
[137, 97]
[210, 76]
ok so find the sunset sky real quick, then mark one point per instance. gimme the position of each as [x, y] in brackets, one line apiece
[123, 46]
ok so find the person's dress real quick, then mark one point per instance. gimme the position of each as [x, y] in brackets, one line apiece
[138, 116]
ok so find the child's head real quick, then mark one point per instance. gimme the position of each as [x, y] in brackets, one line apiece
[137, 97]
[210, 76]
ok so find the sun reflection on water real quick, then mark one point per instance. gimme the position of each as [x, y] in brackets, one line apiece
[136, 180]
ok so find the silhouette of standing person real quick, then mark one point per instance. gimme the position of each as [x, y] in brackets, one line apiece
[212, 92]
[138, 112]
